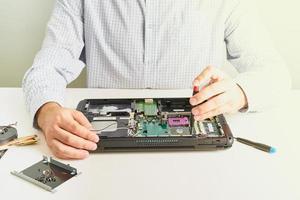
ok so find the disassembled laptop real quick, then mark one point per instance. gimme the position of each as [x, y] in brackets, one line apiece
[153, 124]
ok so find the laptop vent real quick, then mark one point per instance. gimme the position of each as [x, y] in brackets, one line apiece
[153, 142]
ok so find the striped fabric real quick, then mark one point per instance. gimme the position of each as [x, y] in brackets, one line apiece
[153, 44]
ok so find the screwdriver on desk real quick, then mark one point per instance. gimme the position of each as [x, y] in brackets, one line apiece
[260, 146]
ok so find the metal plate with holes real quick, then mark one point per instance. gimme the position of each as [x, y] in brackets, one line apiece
[47, 174]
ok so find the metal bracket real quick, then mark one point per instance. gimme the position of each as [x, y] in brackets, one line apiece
[47, 174]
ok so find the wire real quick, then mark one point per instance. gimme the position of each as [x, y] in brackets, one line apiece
[106, 127]
[99, 130]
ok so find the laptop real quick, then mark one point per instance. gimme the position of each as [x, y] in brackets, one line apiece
[153, 124]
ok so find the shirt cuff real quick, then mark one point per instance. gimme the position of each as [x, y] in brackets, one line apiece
[247, 83]
[40, 100]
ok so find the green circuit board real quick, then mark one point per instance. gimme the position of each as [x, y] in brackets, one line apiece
[153, 128]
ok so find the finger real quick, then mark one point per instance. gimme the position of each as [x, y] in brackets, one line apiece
[66, 152]
[211, 91]
[74, 141]
[217, 111]
[81, 131]
[211, 104]
[207, 74]
[81, 119]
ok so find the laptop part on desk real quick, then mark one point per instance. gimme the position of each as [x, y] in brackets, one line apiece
[47, 173]
[7, 134]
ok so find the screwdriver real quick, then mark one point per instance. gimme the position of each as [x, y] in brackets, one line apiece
[260, 146]
[195, 91]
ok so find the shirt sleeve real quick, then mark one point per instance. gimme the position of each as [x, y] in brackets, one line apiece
[263, 75]
[57, 63]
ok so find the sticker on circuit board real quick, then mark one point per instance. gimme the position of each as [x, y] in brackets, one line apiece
[47, 174]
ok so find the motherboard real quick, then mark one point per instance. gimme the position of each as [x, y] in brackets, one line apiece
[150, 118]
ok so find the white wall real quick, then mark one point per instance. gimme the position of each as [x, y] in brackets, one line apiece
[22, 26]
[282, 19]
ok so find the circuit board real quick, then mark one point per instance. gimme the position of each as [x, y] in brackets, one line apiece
[150, 118]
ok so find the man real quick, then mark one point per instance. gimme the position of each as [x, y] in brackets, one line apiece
[150, 44]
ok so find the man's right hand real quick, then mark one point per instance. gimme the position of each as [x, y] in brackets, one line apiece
[67, 131]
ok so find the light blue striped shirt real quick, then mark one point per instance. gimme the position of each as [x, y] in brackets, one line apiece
[153, 44]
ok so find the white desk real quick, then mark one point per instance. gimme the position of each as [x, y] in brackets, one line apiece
[238, 173]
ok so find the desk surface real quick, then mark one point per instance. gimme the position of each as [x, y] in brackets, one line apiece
[237, 173]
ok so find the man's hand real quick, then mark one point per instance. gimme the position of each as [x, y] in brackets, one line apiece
[67, 131]
[220, 95]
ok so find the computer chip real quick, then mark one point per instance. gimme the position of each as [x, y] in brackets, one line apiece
[178, 121]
